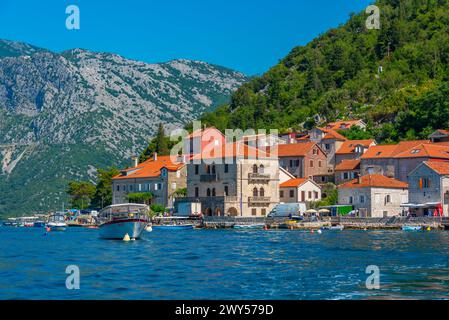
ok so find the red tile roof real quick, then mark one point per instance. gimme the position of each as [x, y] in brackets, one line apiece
[375, 181]
[391, 151]
[347, 165]
[149, 168]
[332, 134]
[442, 131]
[296, 149]
[349, 146]
[426, 150]
[347, 124]
[439, 167]
[294, 182]
[233, 150]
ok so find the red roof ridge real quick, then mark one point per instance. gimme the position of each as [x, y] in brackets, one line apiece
[374, 181]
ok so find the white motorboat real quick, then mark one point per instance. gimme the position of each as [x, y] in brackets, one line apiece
[56, 222]
[119, 220]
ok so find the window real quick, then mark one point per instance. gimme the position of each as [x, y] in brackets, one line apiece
[255, 168]
[197, 169]
[264, 212]
[311, 163]
[303, 196]
[362, 199]
[262, 192]
[207, 169]
[370, 170]
[254, 212]
[140, 187]
[261, 169]
[315, 151]
[310, 195]
[226, 168]
[213, 169]
[319, 164]
[351, 200]
[213, 192]
[163, 173]
[281, 194]
[327, 146]
[292, 193]
[426, 183]
[178, 174]
[208, 192]
[130, 187]
[255, 192]
[159, 186]
[387, 198]
[173, 185]
[197, 192]
[118, 188]
[345, 176]
[226, 190]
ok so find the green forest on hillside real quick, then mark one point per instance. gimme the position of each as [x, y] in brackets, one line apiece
[337, 76]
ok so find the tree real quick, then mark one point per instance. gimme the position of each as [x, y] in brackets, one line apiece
[160, 144]
[140, 197]
[103, 191]
[81, 194]
[158, 208]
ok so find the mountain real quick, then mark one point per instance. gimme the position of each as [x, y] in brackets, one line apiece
[395, 78]
[64, 115]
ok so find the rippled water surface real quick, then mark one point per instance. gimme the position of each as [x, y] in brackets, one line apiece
[224, 264]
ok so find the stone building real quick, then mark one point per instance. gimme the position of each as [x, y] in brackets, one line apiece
[329, 141]
[397, 161]
[303, 160]
[299, 190]
[429, 189]
[159, 175]
[347, 170]
[346, 124]
[353, 150]
[374, 195]
[235, 180]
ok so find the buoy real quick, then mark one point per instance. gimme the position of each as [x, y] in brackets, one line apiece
[429, 229]
[149, 228]
[319, 231]
[265, 228]
[126, 238]
[48, 229]
[312, 231]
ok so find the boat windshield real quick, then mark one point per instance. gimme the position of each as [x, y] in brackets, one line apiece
[124, 211]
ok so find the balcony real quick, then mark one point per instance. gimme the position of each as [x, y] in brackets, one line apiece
[208, 177]
[258, 177]
[259, 201]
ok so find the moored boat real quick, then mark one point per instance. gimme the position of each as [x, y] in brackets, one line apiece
[249, 226]
[411, 228]
[334, 228]
[119, 220]
[173, 227]
[56, 222]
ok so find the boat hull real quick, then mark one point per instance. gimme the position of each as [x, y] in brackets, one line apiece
[411, 228]
[169, 227]
[249, 227]
[57, 226]
[116, 230]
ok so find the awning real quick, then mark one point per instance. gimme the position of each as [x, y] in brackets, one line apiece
[421, 205]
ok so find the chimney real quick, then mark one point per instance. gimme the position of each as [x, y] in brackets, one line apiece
[135, 160]
[155, 156]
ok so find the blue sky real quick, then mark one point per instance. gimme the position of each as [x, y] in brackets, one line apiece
[246, 35]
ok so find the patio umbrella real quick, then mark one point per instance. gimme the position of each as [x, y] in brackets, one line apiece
[324, 211]
[311, 211]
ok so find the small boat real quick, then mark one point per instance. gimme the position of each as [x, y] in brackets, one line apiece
[411, 228]
[249, 226]
[119, 220]
[56, 222]
[173, 227]
[334, 228]
[39, 224]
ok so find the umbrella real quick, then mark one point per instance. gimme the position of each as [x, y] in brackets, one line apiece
[324, 211]
[311, 211]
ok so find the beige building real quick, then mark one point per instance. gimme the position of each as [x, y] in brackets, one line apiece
[158, 175]
[329, 141]
[299, 190]
[236, 180]
[374, 195]
[347, 170]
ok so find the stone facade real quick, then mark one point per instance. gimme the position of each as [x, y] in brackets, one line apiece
[244, 187]
[374, 202]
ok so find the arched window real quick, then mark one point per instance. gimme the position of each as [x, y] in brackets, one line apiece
[255, 192]
[213, 169]
[255, 168]
[262, 192]
[208, 192]
[207, 169]
[261, 168]
[213, 192]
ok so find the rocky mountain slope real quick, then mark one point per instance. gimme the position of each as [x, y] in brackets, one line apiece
[63, 115]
